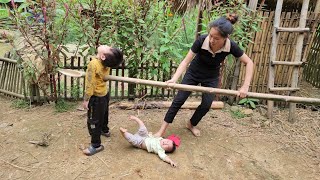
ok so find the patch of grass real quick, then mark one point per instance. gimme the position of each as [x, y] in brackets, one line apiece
[237, 114]
[20, 104]
[64, 106]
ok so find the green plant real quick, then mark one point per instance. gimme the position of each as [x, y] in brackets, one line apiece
[63, 106]
[42, 27]
[249, 102]
[237, 114]
[20, 104]
[75, 91]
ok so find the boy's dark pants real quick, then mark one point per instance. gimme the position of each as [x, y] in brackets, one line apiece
[98, 118]
[182, 96]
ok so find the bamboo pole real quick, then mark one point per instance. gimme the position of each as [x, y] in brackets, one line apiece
[214, 90]
[184, 87]
[273, 53]
[253, 5]
[317, 8]
[298, 52]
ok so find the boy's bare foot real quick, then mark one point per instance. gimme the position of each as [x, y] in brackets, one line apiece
[123, 131]
[195, 131]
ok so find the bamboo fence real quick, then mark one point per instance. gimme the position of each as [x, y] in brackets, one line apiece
[312, 69]
[11, 79]
[259, 51]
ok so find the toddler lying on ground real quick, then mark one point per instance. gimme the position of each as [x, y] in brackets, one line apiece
[143, 140]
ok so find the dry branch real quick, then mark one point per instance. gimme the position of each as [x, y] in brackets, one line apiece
[16, 166]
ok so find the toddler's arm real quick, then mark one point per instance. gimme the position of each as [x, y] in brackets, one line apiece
[168, 160]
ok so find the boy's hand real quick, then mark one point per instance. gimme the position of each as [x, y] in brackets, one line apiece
[85, 105]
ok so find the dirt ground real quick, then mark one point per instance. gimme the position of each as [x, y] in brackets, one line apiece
[229, 148]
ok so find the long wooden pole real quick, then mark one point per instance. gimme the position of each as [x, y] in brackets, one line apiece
[214, 90]
[184, 87]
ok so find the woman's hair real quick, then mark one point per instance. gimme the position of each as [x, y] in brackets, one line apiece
[173, 147]
[113, 59]
[224, 24]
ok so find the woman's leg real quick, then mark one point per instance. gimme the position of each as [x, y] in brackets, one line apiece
[203, 108]
[178, 101]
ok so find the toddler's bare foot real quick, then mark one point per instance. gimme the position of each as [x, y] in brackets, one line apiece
[195, 131]
[123, 131]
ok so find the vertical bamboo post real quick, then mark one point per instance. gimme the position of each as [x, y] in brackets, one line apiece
[297, 57]
[317, 8]
[72, 79]
[199, 20]
[78, 79]
[273, 53]
[253, 5]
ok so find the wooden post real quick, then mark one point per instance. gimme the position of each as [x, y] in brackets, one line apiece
[253, 5]
[297, 57]
[273, 53]
[317, 8]
[199, 20]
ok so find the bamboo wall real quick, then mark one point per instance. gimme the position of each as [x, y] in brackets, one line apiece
[312, 70]
[259, 51]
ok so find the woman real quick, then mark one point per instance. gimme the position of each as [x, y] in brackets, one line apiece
[204, 57]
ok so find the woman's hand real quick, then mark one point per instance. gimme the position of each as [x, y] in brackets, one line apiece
[171, 81]
[243, 91]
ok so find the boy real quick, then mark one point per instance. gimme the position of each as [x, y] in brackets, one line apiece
[96, 98]
[143, 140]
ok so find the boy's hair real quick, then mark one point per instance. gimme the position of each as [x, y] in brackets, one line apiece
[113, 59]
[173, 147]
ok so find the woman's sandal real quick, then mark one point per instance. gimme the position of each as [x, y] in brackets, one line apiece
[92, 150]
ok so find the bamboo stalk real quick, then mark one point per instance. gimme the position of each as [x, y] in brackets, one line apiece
[184, 87]
[214, 90]
[298, 52]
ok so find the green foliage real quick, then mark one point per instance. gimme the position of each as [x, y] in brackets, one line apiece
[244, 29]
[237, 114]
[75, 91]
[42, 36]
[20, 104]
[249, 102]
[63, 106]
[4, 12]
